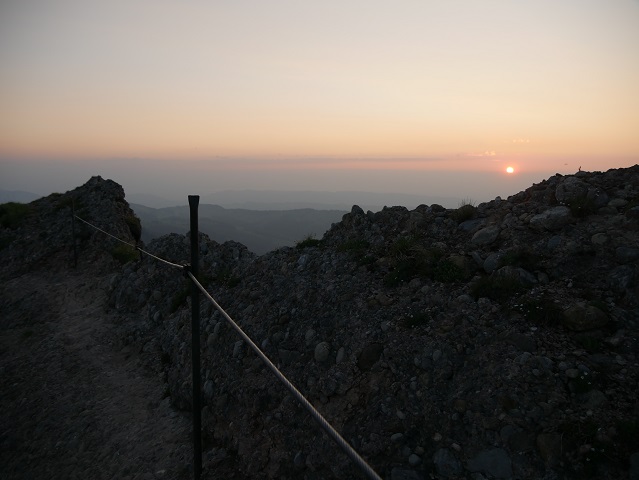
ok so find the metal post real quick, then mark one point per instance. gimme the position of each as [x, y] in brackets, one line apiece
[194, 200]
[75, 248]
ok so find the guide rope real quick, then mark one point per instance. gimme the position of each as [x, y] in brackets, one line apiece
[332, 433]
[317, 416]
[131, 245]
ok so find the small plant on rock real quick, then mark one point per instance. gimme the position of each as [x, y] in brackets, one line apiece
[496, 288]
[542, 311]
[465, 211]
[520, 257]
[124, 253]
[135, 226]
[13, 214]
[308, 241]
[582, 206]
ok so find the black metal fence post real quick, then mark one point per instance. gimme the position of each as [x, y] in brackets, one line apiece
[194, 201]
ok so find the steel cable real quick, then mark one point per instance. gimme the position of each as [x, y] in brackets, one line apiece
[131, 245]
[331, 432]
[328, 428]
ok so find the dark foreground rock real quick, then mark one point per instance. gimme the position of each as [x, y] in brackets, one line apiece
[496, 341]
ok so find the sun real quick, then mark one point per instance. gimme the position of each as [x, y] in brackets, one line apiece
[510, 170]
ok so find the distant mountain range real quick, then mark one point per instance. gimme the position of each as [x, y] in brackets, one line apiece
[260, 219]
[17, 196]
[260, 230]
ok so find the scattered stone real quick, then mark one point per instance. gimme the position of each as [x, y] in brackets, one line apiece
[549, 446]
[486, 236]
[582, 317]
[494, 462]
[446, 463]
[552, 219]
[322, 351]
[369, 356]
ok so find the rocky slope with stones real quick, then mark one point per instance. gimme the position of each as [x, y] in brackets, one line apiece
[76, 402]
[489, 341]
[496, 341]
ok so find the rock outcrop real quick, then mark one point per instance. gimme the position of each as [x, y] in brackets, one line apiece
[498, 341]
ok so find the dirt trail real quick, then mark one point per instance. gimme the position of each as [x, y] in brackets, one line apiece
[74, 402]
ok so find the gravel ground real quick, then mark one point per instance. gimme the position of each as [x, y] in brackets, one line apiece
[75, 402]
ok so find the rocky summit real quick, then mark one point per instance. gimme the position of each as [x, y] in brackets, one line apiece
[491, 341]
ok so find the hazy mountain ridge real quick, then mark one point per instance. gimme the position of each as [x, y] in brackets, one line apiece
[261, 231]
[496, 341]
[17, 196]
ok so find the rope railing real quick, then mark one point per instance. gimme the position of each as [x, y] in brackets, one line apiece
[328, 428]
[131, 245]
[332, 433]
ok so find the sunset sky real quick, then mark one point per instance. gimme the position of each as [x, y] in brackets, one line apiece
[363, 95]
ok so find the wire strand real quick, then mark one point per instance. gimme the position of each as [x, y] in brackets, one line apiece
[317, 416]
[131, 245]
[332, 433]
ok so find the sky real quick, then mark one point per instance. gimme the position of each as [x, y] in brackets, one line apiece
[415, 96]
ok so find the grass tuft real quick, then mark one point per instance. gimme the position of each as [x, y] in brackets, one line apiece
[14, 214]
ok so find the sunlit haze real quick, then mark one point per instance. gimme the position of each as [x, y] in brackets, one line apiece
[421, 97]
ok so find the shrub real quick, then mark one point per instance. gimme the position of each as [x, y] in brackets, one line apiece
[124, 253]
[582, 206]
[404, 271]
[354, 246]
[447, 272]
[495, 288]
[541, 311]
[13, 214]
[413, 320]
[5, 242]
[135, 227]
[224, 276]
[66, 202]
[465, 211]
[520, 257]
[308, 241]
[403, 247]
[358, 250]
[180, 297]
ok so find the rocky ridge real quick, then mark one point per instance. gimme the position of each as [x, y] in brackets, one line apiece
[496, 341]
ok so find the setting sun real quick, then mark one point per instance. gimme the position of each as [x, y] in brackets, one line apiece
[510, 170]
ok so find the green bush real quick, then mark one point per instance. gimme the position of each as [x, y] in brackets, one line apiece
[135, 226]
[308, 241]
[65, 202]
[465, 211]
[495, 288]
[582, 206]
[403, 247]
[180, 297]
[521, 257]
[446, 271]
[354, 246]
[124, 253]
[541, 311]
[413, 320]
[13, 214]
[404, 271]
[5, 242]
[224, 276]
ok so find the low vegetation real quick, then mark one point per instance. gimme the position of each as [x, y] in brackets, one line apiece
[14, 214]
[582, 206]
[125, 253]
[135, 227]
[308, 241]
[499, 289]
[465, 211]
